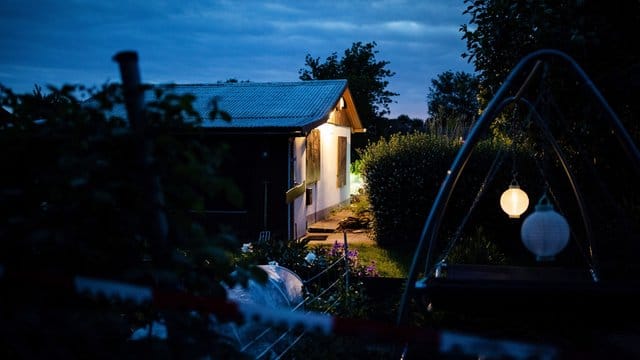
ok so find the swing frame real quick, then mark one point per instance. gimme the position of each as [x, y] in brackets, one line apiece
[483, 288]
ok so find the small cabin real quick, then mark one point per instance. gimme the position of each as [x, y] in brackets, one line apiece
[289, 151]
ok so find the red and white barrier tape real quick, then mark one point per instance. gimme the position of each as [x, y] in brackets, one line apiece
[444, 341]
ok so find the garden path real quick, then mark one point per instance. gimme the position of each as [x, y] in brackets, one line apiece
[327, 231]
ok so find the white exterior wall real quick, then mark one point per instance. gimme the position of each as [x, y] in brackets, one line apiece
[331, 195]
[326, 194]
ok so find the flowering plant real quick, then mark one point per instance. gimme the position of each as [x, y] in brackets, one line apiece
[338, 250]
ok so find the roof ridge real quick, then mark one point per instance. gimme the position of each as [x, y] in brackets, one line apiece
[249, 83]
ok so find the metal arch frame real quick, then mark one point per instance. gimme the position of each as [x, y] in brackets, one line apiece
[593, 265]
[495, 106]
[595, 271]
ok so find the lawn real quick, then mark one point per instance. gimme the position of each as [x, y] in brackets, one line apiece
[389, 262]
[393, 263]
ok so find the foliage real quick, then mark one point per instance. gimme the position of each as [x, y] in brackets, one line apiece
[74, 200]
[290, 254]
[403, 124]
[597, 34]
[295, 255]
[360, 204]
[404, 173]
[354, 222]
[392, 262]
[476, 249]
[453, 102]
[359, 207]
[406, 125]
[366, 77]
[338, 251]
[364, 261]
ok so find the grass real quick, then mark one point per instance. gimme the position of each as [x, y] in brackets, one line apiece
[392, 263]
[389, 262]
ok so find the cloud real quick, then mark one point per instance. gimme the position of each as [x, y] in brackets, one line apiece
[407, 27]
[386, 4]
[281, 8]
[310, 25]
[404, 27]
[211, 40]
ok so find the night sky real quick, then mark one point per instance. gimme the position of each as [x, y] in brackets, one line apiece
[57, 42]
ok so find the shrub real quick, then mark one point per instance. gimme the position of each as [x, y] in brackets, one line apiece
[294, 255]
[404, 173]
[476, 249]
[74, 201]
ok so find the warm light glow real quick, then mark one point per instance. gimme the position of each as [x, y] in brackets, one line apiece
[514, 201]
[545, 232]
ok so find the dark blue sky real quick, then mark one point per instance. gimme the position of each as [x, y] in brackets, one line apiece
[56, 42]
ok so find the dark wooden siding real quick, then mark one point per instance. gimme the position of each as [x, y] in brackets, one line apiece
[258, 165]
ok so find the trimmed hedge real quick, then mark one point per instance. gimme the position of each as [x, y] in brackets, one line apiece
[403, 175]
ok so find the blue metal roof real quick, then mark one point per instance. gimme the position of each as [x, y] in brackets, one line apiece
[283, 106]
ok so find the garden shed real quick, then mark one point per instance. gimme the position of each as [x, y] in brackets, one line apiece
[289, 150]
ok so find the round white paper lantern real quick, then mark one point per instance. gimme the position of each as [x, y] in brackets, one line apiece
[545, 232]
[514, 201]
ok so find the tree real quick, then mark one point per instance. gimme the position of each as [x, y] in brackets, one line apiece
[403, 124]
[233, 81]
[366, 76]
[598, 34]
[406, 125]
[453, 102]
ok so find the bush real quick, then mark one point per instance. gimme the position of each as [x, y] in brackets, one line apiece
[74, 200]
[404, 173]
[476, 249]
[308, 262]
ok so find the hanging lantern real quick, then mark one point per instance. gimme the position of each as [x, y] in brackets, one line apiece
[514, 201]
[545, 232]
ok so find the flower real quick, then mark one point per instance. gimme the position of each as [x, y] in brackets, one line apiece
[372, 270]
[336, 250]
